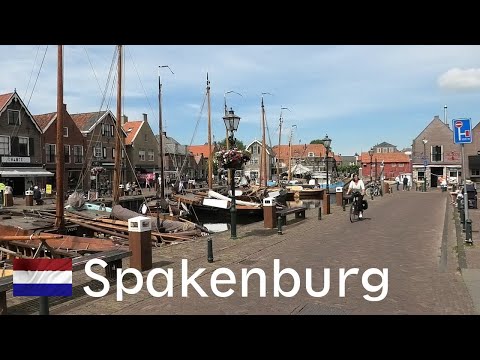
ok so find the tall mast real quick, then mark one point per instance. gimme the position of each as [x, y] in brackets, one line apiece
[227, 143]
[161, 188]
[290, 153]
[118, 137]
[210, 154]
[263, 172]
[59, 219]
[279, 140]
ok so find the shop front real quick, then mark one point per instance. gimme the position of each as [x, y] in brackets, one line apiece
[22, 178]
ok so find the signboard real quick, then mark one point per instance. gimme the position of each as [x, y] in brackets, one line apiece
[425, 162]
[2, 186]
[48, 189]
[462, 131]
[15, 159]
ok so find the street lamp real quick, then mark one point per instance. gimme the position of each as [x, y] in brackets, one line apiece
[370, 152]
[226, 114]
[231, 124]
[424, 165]
[326, 142]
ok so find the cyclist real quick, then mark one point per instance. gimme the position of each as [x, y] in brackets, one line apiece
[357, 185]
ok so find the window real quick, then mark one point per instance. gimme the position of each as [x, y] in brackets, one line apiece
[151, 155]
[401, 164]
[112, 132]
[13, 117]
[65, 131]
[141, 155]
[78, 154]
[107, 130]
[113, 153]
[475, 172]
[436, 153]
[23, 146]
[311, 154]
[453, 173]
[66, 152]
[421, 175]
[394, 164]
[97, 151]
[50, 152]
[379, 150]
[104, 152]
[4, 145]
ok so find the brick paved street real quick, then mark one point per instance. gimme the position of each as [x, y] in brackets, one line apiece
[403, 232]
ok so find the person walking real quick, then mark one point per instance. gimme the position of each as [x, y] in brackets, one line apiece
[405, 183]
[397, 181]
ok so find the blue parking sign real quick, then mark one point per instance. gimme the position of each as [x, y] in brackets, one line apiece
[462, 131]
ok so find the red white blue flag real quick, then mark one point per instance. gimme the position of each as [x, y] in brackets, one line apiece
[42, 277]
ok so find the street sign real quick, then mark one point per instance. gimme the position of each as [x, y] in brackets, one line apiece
[425, 162]
[462, 131]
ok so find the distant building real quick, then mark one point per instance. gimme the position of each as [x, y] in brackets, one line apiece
[252, 168]
[394, 164]
[21, 146]
[384, 147]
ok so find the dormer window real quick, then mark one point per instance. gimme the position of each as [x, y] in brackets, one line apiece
[311, 154]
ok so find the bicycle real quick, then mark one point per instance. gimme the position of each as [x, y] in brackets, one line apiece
[354, 208]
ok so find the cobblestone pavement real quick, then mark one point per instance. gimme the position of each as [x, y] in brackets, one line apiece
[412, 234]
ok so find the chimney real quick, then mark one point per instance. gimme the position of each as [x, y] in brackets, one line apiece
[144, 117]
[124, 119]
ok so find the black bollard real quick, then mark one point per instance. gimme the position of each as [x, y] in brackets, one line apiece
[343, 204]
[44, 310]
[468, 231]
[319, 213]
[279, 225]
[210, 250]
[462, 217]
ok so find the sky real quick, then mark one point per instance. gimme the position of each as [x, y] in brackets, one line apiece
[358, 95]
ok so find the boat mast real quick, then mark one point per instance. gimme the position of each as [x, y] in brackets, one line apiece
[290, 153]
[279, 139]
[60, 168]
[161, 188]
[118, 149]
[263, 159]
[210, 153]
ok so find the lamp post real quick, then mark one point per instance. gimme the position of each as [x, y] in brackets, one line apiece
[326, 142]
[370, 152]
[424, 165]
[231, 124]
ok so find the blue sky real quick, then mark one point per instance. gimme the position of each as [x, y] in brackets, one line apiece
[359, 95]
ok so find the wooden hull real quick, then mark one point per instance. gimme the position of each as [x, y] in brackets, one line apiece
[67, 243]
[305, 194]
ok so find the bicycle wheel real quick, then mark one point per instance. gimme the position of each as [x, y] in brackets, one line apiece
[369, 192]
[353, 213]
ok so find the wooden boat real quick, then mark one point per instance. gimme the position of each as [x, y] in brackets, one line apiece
[302, 192]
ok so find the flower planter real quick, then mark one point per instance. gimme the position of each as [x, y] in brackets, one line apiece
[237, 165]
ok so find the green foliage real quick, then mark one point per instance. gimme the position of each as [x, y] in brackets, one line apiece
[317, 141]
[348, 169]
[239, 144]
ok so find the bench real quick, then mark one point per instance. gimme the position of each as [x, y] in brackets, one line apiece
[113, 258]
[298, 211]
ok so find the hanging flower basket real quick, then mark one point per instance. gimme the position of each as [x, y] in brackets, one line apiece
[232, 159]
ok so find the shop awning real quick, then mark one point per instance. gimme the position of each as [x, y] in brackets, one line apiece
[24, 172]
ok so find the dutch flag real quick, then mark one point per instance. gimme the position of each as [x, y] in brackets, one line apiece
[42, 277]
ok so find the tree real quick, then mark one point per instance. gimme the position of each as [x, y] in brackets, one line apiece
[317, 141]
[347, 169]
[239, 144]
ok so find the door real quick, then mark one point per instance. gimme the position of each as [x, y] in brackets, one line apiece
[436, 172]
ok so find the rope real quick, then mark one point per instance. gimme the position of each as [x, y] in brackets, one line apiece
[39, 70]
[33, 68]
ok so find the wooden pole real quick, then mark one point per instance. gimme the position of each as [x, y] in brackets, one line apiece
[278, 155]
[118, 135]
[263, 179]
[60, 168]
[210, 153]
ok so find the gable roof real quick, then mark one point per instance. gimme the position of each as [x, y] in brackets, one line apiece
[86, 122]
[270, 151]
[393, 157]
[6, 99]
[384, 144]
[45, 120]
[436, 118]
[132, 128]
[201, 149]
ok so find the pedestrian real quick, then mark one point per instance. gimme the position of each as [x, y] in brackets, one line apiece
[405, 183]
[397, 181]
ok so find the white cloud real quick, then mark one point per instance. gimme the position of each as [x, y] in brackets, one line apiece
[460, 79]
